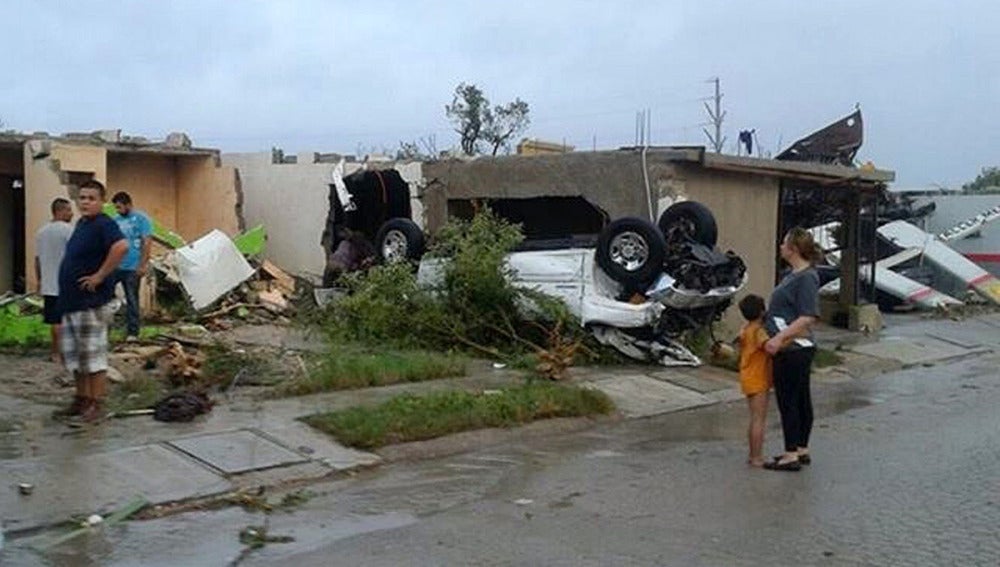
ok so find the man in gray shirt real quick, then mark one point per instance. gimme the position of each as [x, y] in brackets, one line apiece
[50, 245]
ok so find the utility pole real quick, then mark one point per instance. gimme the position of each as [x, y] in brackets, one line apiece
[717, 115]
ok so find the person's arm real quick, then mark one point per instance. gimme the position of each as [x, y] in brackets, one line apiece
[114, 257]
[799, 327]
[807, 301]
[144, 258]
[147, 244]
[38, 273]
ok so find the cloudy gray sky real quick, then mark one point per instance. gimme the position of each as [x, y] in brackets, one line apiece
[336, 76]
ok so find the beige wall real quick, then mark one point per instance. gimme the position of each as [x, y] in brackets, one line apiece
[150, 179]
[746, 211]
[207, 197]
[43, 183]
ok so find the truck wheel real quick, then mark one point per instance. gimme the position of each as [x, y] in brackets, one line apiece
[631, 251]
[399, 240]
[689, 219]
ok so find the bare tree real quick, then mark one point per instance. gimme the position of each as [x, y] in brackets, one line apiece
[424, 149]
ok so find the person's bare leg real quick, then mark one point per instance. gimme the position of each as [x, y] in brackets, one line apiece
[755, 431]
[97, 389]
[56, 354]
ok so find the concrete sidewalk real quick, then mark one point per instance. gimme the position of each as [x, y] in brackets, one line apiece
[261, 443]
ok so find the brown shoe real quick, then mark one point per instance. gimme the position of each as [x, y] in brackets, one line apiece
[93, 413]
[73, 410]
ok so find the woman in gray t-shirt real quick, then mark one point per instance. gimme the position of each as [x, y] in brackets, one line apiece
[792, 311]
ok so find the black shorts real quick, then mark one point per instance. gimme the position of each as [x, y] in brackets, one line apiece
[49, 312]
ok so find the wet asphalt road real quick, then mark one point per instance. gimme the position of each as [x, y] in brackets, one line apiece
[906, 472]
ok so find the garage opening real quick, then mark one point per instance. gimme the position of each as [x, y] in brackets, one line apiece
[548, 223]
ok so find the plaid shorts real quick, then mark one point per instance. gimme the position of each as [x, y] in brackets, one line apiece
[84, 340]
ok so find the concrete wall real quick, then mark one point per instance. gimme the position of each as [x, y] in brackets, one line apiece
[612, 181]
[150, 179]
[746, 212]
[207, 197]
[43, 183]
[292, 201]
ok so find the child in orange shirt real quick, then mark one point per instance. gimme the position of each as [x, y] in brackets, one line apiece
[755, 372]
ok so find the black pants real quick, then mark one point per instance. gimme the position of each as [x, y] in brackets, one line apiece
[791, 388]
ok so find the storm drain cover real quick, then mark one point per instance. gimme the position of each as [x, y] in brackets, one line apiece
[238, 451]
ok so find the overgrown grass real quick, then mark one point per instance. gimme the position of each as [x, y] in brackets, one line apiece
[345, 368]
[138, 392]
[413, 418]
[825, 358]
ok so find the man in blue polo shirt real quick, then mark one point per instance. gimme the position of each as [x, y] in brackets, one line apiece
[86, 287]
[137, 228]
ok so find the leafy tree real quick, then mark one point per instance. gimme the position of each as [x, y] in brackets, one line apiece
[505, 122]
[477, 123]
[988, 181]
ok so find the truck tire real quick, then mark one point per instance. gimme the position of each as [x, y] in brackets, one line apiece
[399, 240]
[631, 251]
[691, 219]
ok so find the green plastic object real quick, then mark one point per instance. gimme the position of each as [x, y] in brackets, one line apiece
[161, 234]
[251, 242]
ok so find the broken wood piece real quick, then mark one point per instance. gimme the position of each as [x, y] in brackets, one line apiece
[224, 311]
[273, 301]
[285, 282]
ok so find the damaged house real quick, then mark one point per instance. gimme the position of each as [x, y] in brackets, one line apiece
[184, 188]
[571, 197]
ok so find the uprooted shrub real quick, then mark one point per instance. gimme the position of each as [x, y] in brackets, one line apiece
[473, 306]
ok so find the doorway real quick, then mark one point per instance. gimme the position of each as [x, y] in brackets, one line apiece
[12, 237]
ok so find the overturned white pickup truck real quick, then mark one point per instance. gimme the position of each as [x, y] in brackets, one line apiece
[638, 288]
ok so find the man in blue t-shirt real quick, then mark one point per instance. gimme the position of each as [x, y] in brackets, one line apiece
[86, 287]
[137, 228]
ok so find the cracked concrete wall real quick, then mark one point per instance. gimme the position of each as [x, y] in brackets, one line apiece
[44, 180]
[612, 181]
[208, 197]
[292, 200]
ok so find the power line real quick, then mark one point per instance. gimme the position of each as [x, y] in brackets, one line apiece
[717, 115]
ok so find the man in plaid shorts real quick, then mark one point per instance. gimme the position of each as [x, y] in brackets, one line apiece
[86, 288]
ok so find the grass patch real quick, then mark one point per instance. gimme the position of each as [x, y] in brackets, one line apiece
[826, 357]
[413, 418]
[138, 392]
[222, 364]
[22, 331]
[347, 368]
[117, 334]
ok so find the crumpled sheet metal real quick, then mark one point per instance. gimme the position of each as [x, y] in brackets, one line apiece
[663, 351]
